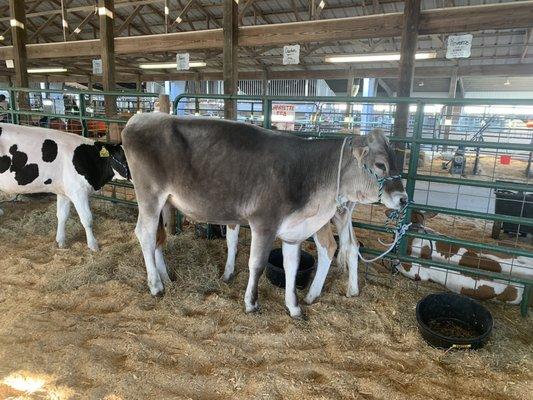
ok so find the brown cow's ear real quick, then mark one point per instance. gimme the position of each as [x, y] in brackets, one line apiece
[360, 153]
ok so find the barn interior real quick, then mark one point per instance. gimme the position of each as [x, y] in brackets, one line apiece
[450, 82]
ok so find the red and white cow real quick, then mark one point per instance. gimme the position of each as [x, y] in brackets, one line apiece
[40, 160]
[478, 288]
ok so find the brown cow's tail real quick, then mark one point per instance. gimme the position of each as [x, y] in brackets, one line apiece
[161, 236]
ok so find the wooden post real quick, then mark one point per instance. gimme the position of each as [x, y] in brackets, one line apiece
[18, 33]
[106, 12]
[348, 112]
[169, 213]
[231, 17]
[411, 19]
[265, 83]
[450, 110]
[138, 88]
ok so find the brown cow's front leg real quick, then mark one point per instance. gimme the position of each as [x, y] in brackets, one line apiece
[291, 261]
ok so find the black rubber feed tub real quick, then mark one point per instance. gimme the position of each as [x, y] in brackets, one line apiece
[276, 274]
[449, 320]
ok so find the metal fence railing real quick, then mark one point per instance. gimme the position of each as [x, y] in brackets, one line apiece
[461, 154]
[82, 113]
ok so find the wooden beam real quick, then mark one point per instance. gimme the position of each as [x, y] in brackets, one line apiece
[128, 20]
[459, 19]
[64, 21]
[527, 39]
[411, 21]
[106, 11]
[18, 33]
[80, 26]
[230, 27]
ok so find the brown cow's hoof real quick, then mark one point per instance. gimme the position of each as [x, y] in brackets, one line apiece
[228, 279]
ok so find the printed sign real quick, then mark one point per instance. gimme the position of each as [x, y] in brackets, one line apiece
[283, 116]
[459, 46]
[97, 67]
[182, 62]
[291, 54]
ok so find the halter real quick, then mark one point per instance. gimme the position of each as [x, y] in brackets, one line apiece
[397, 216]
[124, 165]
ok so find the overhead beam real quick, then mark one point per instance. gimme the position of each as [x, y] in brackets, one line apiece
[420, 72]
[459, 19]
[230, 55]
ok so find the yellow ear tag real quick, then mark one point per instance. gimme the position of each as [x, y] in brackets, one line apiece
[104, 152]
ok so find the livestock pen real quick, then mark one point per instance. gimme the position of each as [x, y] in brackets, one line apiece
[83, 325]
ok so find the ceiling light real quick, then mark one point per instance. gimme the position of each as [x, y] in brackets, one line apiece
[378, 57]
[322, 4]
[46, 70]
[171, 65]
[507, 83]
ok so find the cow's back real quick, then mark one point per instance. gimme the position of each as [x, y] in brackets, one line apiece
[34, 159]
[224, 165]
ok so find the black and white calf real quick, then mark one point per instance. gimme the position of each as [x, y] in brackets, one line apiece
[39, 160]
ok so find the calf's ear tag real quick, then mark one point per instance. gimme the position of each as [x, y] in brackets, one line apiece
[104, 152]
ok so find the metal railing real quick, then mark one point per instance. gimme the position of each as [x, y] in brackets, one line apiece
[417, 136]
[87, 118]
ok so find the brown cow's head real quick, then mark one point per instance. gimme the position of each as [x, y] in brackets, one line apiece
[380, 161]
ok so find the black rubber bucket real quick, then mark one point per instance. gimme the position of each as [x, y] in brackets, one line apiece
[276, 274]
[449, 320]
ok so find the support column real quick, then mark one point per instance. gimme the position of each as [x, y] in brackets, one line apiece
[348, 113]
[450, 110]
[411, 18]
[106, 12]
[370, 88]
[231, 18]
[18, 33]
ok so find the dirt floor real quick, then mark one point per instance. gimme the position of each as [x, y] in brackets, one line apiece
[84, 326]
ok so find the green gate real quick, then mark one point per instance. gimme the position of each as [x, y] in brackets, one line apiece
[435, 124]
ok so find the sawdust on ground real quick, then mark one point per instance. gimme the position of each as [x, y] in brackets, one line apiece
[80, 325]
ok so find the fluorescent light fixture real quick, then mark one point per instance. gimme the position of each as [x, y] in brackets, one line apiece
[178, 20]
[46, 70]
[322, 4]
[378, 57]
[171, 65]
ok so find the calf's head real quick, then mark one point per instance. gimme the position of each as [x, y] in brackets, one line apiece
[379, 169]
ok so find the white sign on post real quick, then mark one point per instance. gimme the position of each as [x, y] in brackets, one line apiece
[182, 62]
[291, 54]
[10, 64]
[459, 46]
[97, 67]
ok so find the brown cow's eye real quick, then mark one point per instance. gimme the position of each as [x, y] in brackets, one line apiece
[381, 166]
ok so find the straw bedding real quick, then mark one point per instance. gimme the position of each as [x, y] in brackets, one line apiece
[80, 325]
